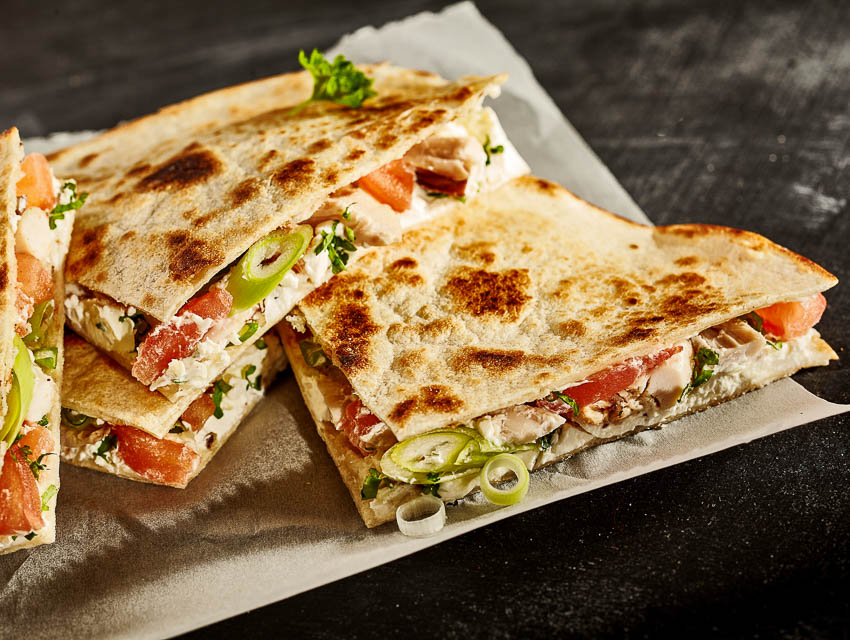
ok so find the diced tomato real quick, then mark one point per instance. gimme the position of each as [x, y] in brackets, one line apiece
[199, 411]
[392, 184]
[159, 460]
[34, 277]
[787, 320]
[357, 422]
[39, 440]
[174, 340]
[607, 383]
[20, 502]
[37, 183]
[431, 181]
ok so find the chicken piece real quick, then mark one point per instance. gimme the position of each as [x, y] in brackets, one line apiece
[449, 156]
[373, 222]
[518, 424]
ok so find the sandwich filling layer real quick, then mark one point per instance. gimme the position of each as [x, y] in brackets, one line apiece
[195, 437]
[180, 356]
[716, 365]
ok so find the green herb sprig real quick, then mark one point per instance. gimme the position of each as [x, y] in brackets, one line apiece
[563, 397]
[248, 370]
[338, 81]
[220, 388]
[338, 247]
[492, 150]
[47, 495]
[106, 445]
[59, 210]
[757, 322]
[373, 481]
[700, 375]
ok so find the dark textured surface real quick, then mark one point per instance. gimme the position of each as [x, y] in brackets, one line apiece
[729, 113]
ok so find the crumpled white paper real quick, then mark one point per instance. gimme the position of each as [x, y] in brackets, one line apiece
[270, 517]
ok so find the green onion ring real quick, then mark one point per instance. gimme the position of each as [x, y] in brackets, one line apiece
[421, 517]
[505, 497]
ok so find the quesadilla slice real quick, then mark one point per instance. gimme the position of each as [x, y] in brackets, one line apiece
[193, 245]
[113, 424]
[35, 231]
[533, 323]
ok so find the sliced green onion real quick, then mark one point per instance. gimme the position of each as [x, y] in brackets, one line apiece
[47, 496]
[260, 344]
[312, 353]
[46, 358]
[74, 420]
[20, 393]
[504, 497]
[248, 330]
[220, 388]
[421, 517]
[40, 319]
[263, 266]
[430, 452]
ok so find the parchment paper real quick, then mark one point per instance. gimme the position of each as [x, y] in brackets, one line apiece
[269, 517]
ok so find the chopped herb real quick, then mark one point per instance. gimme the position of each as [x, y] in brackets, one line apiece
[47, 496]
[546, 442]
[31, 535]
[106, 445]
[312, 353]
[336, 246]
[44, 421]
[140, 326]
[563, 397]
[59, 210]
[374, 480]
[219, 389]
[346, 213]
[338, 82]
[177, 428]
[757, 322]
[17, 439]
[248, 370]
[36, 466]
[261, 344]
[248, 330]
[100, 326]
[434, 476]
[432, 489]
[700, 375]
[439, 194]
[46, 357]
[491, 150]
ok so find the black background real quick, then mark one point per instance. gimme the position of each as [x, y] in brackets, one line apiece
[721, 112]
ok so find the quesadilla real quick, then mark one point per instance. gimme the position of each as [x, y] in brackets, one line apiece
[36, 217]
[111, 423]
[533, 323]
[210, 220]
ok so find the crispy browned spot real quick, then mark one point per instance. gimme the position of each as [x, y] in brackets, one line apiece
[687, 278]
[330, 177]
[476, 252]
[267, 159]
[479, 292]
[493, 360]
[357, 133]
[118, 196]
[137, 169]
[319, 145]
[571, 329]
[562, 289]
[546, 186]
[189, 255]
[88, 159]
[127, 235]
[86, 248]
[295, 174]
[632, 245]
[631, 301]
[148, 299]
[334, 286]
[429, 399]
[244, 191]
[182, 171]
[354, 154]
[687, 261]
[631, 335]
[349, 336]
[4, 275]
[403, 263]
[386, 141]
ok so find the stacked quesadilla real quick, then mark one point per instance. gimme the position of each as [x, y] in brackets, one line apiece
[210, 219]
[532, 323]
[36, 216]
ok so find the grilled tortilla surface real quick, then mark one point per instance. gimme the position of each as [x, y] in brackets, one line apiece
[179, 195]
[526, 290]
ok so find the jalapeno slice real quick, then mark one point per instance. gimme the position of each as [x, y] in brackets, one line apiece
[20, 393]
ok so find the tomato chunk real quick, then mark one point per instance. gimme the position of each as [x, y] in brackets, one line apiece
[787, 320]
[610, 381]
[357, 423]
[20, 502]
[392, 184]
[34, 277]
[39, 440]
[158, 460]
[177, 339]
[37, 183]
[199, 411]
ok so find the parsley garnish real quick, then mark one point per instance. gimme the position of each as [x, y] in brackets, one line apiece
[248, 330]
[140, 326]
[546, 442]
[336, 246]
[261, 344]
[106, 445]
[219, 389]
[701, 375]
[100, 326]
[432, 489]
[338, 82]
[248, 370]
[31, 535]
[757, 322]
[563, 397]
[434, 476]
[312, 353]
[177, 428]
[59, 210]
[346, 213]
[47, 495]
[36, 466]
[491, 150]
[373, 481]
[44, 421]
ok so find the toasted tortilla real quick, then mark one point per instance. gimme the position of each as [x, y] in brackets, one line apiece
[116, 383]
[173, 200]
[526, 290]
[11, 153]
